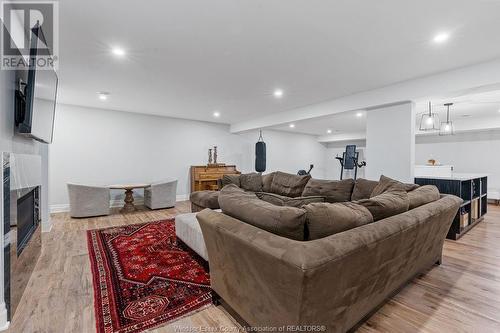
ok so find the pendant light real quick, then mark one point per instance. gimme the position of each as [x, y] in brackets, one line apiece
[447, 126]
[429, 121]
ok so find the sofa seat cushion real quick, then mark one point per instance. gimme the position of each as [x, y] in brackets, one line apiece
[363, 188]
[280, 200]
[387, 204]
[288, 185]
[205, 199]
[325, 219]
[332, 190]
[245, 206]
[267, 180]
[251, 182]
[230, 179]
[423, 195]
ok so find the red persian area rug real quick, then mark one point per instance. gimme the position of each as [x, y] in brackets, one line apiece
[144, 277]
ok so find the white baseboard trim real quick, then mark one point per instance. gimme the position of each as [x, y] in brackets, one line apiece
[62, 208]
[4, 323]
[46, 227]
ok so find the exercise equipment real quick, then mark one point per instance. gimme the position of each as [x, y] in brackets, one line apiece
[304, 172]
[349, 161]
[260, 154]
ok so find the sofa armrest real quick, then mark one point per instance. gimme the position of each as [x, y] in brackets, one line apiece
[248, 271]
[333, 281]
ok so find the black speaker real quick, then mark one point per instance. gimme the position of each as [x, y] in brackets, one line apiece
[260, 156]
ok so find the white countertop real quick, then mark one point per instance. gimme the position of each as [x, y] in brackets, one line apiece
[458, 176]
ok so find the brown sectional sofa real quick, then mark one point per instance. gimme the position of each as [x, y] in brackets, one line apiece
[321, 263]
[278, 187]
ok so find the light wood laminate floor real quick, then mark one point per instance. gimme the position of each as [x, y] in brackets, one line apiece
[461, 295]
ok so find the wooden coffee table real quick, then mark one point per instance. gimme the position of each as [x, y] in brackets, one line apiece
[129, 195]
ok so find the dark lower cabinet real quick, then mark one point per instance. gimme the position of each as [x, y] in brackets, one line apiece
[473, 190]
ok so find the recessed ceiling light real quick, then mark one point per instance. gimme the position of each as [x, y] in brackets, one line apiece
[359, 114]
[119, 52]
[441, 37]
[216, 114]
[329, 131]
[103, 95]
[291, 125]
[278, 93]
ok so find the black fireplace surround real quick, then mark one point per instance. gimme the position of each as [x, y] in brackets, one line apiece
[28, 217]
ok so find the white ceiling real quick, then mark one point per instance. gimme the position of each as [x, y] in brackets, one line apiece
[471, 109]
[340, 123]
[188, 58]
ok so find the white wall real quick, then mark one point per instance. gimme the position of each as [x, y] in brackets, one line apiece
[390, 142]
[104, 147]
[467, 152]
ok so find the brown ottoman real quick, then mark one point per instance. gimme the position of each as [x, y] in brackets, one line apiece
[204, 199]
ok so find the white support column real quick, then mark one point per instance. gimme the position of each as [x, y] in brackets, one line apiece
[390, 142]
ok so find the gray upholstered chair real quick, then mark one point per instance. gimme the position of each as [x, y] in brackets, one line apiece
[86, 201]
[161, 194]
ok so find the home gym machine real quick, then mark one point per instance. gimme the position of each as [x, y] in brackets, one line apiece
[349, 161]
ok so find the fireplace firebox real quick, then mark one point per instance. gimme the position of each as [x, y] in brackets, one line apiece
[28, 218]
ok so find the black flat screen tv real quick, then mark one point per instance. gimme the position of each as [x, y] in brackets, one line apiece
[36, 99]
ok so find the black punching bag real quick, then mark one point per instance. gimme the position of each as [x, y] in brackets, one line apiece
[260, 155]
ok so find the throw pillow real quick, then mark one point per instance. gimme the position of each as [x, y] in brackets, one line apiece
[247, 207]
[332, 190]
[386, 184]
[363, 188]
[288, 185]
[251, 182]
[423, 195]
[386, 204]
[325, 219]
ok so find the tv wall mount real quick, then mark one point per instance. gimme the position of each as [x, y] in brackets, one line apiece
[350, 161]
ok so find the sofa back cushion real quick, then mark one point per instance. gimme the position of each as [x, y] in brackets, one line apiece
[231, 179]
[245, 206]
[363, 188]
[288, 185]
[267, 181]
[251, 182]
[325, 219]
[332, 190]
[423, 195]
[280, 200]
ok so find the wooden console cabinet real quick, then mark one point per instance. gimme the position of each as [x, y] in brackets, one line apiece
[473, 189]
[205, 177]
